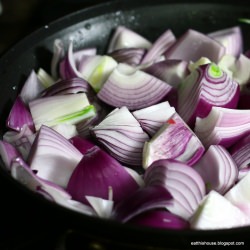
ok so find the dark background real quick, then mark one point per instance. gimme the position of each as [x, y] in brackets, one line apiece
[20, 17]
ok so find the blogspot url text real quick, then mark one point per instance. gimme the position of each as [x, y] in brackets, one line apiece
[217, 243]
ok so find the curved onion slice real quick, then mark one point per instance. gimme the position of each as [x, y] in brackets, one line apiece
[231, 38]
[222, 126]
[131, 56]
[22, 173]
[163, 42]
[240, 152]
[8, 152]
[19, 116]
[126, 38]
[153, 117]
[96, 174]
[51, 153]
[174, 140]
[68, 86]
[218, 169]
[68, 68]
[45, 78]
[216, 212]
[204, 88]
[142, 200]
[132, 88]
[171, 71]
[122, 136]
[193, 45]
[31, 88]
[160, 219]
[183, 182]
[58, 54]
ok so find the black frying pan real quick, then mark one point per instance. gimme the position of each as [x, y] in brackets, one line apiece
[93, 27]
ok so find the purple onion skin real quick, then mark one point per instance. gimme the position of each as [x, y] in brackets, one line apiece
[82, 144]
[96, 173]
[19, 116]
[160, 219]
[140, 201]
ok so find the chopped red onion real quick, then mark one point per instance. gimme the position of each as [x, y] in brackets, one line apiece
[183, 182]
[222, 126]
[22, 173]
[161, 45]
[96, 174]
[174, 140]
[218, 169]
[19, 116]
[153, 117]
[204, 88]
[171, 71]
[31, 88]
[133, 88]
[193, 45]
[231, 38]
[142, 200]
[51, 153]
[58, 55]
[122, 136]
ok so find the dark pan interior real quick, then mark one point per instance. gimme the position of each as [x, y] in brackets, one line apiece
[93, 27]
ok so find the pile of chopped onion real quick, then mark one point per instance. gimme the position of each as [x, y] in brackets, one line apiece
[151, 133]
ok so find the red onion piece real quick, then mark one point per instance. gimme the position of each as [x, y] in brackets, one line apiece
[68, 68]
[163, 42]
[188, 49]
[183, 182]
[122, 136]
[31, 88]
[96, 174]
[231, 38]
[204, 88]
[171, 71]
[142, 91]
[22, 173]
[160, 219]
[174, 140]
[142, 200]
[223, 126]
[218, 169]
[216, 212]
[19, 116]
[51, 153]
[124, 37]
[153, 117]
